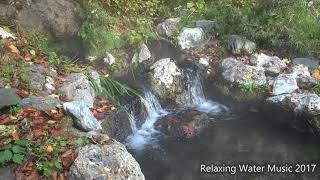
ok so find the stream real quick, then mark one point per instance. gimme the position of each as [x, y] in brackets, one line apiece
[231, 138]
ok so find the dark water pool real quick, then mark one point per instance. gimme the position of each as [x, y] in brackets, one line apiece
[252, 138]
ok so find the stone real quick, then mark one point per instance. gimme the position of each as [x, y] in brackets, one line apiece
[191, 38]
[168, 28]
[118, 126]
[166, 78]
[307, 103]
[49, 86]
[100, 162]
[207, 25]
[8, 97]
[41, 78]
[311, 63]
[238, 45]
[109, 59]
[303, 76]
[204, 61]
[184, 124]
[300, 69]
[236, 73]
[284, 84]
[82, 116]
[41, 103]
[272, 65]
[78, 87]
[7, 173]
[143, 55]
[4, 34]
[59, 18]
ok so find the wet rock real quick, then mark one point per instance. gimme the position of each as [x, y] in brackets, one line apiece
[238, 45]
[300, 69]
[59, 18]
[82, 116]
[236, 72]
[111, 161]
[205, 62]
[49, 86]
[168, 28]
[272, 65]
[143, 55]
[118, 126]
[6, 132]
[207, 25]
[7, 173]
[41, 78]
[185, 124]
[166, 78]
[41, 103]
[311, 63]
[284, 84]
[8, 97]
[191, 38]
[308, 103]
[109, 59]
[78, 87]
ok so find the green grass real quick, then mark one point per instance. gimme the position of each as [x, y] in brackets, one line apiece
[272, 24]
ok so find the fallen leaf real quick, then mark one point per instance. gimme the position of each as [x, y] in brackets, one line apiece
[316, 74]
[23, 93]
[49, 149]
[68, 158]
[14, 49]
[56, 132]
[15, 136]
[27, 58]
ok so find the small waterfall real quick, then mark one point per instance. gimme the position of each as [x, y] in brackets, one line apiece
[143, 135]
[133, 123]
[195, 95]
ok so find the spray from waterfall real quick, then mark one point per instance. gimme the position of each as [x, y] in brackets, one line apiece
[145, 134]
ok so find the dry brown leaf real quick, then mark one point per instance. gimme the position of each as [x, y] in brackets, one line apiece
[14, 49]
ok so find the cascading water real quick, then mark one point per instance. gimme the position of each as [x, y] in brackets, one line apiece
[195, 95]
[145, 134]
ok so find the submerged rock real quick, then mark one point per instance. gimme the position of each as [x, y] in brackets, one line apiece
[82, 116]
[166, 78]
[236, 72]
[238, 45]
[111, 161]
[59, 18]
[168, 28]
[272, 65]
[78, 87]
[185, 124]
[284, 84]
[8, 97]
[41, 103]
[191, 38]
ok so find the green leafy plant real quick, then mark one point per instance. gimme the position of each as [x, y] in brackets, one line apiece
[14, 110]
[252, 87]
[13, 152]
[112, 89]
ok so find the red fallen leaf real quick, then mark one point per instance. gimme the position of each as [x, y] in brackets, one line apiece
[94, 112]
[5, 119]
[41, 59]
[56, 132]
[68, 158]
[15, 136]
[188, 130]
[27, 58]
[58, 176]
[192, 113]
[38, 131]
[316, 74]
[23, 93]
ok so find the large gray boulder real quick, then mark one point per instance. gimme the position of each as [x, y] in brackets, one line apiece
[168, 28]
[238, 45]
[78, 87]
[272, 65]
[59, 18]
[191, 38]
[236, 72]
[284, 84]
[82, 116]
[166, 78]
[100, 162]
[41, 103]
[8, 97]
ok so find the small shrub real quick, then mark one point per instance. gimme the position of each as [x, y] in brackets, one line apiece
[13, 152]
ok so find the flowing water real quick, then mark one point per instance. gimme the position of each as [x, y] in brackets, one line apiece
[248, 138]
